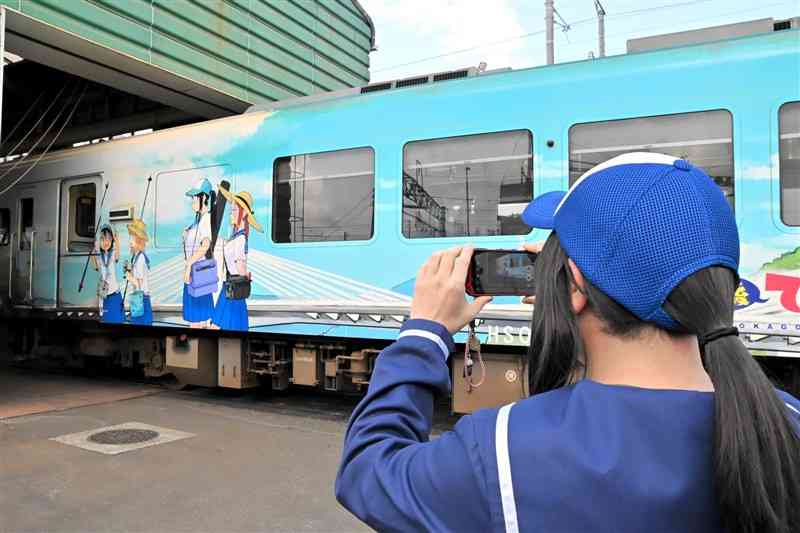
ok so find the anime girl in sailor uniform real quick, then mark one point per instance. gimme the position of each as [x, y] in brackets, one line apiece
[232, 314]
[139, 273]
[197, 310]
[108, 252]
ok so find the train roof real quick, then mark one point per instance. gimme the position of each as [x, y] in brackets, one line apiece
[679, 52]
[779, 42]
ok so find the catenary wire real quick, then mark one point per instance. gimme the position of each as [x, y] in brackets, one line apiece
[55, 138]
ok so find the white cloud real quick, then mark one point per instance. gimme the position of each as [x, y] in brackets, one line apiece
[761, 172]
[754, 254]
[434, 27]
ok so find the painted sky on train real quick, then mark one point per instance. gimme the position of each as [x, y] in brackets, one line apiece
[410, 34]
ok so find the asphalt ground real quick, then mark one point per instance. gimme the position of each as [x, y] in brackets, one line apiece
[257, 462]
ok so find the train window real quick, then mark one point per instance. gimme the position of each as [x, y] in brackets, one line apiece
[5, 226]
[704, 138]
[25, 223]
[789, 128]
[81, 217]
[467, 186]
[328, 196]
[82, 202]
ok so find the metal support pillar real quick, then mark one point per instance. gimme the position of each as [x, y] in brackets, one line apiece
[601, 27]
[549, 23]
[2, 64]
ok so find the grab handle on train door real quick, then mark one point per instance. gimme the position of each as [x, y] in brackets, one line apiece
[30, 271]
[10, 267]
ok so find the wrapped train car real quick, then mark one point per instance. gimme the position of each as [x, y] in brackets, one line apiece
[326, 206]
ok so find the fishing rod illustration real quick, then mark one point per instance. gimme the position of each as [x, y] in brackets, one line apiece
[96, 228]
[129, 266]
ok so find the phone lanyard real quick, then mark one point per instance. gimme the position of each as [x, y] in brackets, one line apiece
[472, 349]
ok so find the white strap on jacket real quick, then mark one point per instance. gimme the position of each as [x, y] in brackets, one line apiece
[504, 470]
[792, 408]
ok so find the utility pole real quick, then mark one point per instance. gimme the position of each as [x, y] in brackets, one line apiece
[601, 27]
[549, 23]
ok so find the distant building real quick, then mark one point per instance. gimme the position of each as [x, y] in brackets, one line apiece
[710, 34]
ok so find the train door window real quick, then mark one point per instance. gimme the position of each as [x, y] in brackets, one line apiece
[789, 128]
[704, 138]
[467, 186]
[25, 223]
[328, 196]
[81, 205]
[5, 226]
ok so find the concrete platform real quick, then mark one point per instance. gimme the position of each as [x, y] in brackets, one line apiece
[27, 392]
[254, 463]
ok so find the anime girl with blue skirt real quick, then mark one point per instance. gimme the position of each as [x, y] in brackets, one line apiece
[138, 274]
[197, 310]
[108, 290]
[231, 314]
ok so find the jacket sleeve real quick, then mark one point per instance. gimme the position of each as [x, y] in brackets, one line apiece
[391, 476]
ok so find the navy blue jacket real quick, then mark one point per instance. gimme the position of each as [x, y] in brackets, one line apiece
[583, 458]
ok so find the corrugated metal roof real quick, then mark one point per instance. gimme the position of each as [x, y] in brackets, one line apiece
[252, 50]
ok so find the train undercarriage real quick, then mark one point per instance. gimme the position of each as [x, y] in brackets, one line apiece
[206, 358]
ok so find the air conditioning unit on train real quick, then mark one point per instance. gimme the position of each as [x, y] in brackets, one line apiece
[121, 214]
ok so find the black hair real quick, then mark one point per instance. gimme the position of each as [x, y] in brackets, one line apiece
[206, 200]
[756, 446]
[106, 232]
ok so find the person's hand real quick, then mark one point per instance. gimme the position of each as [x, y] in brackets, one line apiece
[533, 247]
[187, 275]
[439, 291]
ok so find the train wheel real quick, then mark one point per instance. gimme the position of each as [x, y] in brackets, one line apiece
[172, 383]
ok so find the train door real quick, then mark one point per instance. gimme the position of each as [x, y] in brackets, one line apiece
[24, 252]
[34, 247]
[77, 240]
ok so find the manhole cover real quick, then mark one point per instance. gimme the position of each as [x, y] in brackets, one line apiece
[123, 436]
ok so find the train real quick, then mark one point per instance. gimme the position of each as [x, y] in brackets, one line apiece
[392, 172]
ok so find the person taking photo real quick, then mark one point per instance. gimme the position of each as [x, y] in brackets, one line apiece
[647, 412]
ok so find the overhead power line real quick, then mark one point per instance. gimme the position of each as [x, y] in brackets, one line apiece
[39, 121]
[52, 142]
[543, 30]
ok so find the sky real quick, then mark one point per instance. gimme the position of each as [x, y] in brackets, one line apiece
[425, 36]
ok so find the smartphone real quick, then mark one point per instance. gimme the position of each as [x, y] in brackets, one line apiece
[500, 273]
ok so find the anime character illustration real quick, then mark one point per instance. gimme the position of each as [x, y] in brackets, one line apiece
[199, 268]
[107, 249]
[138, 274]
[231, 309]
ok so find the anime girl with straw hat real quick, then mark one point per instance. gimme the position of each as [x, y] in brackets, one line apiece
[230, 311]
[139, 272]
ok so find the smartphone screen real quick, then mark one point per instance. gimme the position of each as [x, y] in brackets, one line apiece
[500, 272]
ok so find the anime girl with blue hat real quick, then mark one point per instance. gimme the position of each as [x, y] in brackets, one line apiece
[108, 287]
[197, 310]
[231, 309]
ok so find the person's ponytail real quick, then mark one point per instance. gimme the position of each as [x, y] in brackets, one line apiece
[757, 446]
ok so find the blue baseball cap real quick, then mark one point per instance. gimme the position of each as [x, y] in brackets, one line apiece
[203, 187]
[639, 224]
